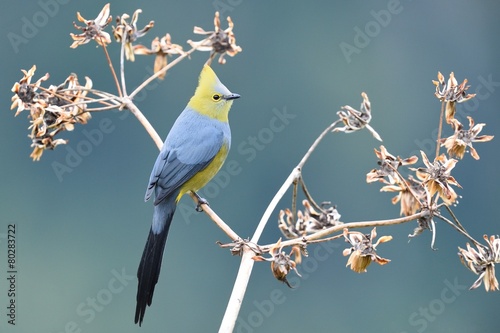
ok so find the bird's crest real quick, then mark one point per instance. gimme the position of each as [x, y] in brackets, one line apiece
[209, 83]
[208, 79]
[208, 98]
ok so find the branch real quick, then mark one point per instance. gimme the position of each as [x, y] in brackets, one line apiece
[350, 225]
[161, 71]
[144, 121]
[459, 229]
[218, 221]
[103, 108]
[309, 197]
[122, 62]
[239, 288]
[295, 174]
[112, 70]
[245, 270]
[316, 143]
[440, 128]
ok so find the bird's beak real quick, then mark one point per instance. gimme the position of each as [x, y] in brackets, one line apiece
[231, 96]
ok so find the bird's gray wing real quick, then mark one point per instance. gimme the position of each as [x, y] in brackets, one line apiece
[179, 160]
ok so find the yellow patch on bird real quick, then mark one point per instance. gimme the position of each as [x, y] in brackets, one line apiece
[204, 176]
[207, 80]
[203, 99]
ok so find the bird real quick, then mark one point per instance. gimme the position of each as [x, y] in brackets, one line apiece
[193, 152]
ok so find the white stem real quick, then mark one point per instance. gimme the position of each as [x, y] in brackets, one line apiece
[272, 205]
[122, 65]
[144, 121]
[246, 265]
[245, 270]
[238, 293]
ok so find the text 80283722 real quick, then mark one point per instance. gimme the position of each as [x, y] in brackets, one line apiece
[11, 273]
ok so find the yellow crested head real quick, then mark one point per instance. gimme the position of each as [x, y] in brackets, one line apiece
[211, 97]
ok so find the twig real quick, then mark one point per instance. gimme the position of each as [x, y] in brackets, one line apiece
[103, 108]
[244, 272]
[135, 110]
[308, 196]
[440, 128]
[327, 239]
[99, 93]
[460, 230]
[93, 100]
[84, 99]
[161, 71]
[296, 173]
[239, 288]
[220, 223]
[274, 202]
[319, 235]
[246, 265]
[113, 73]
[454, 217]
[294, 199]
[144, 121]
[433, 229]
[122, 62]
[316, 142]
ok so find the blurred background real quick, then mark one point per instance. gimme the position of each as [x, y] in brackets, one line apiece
[80, 233]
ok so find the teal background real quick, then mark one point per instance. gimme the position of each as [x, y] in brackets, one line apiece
[73, 236]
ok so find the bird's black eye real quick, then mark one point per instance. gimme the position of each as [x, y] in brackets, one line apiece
[216, 97]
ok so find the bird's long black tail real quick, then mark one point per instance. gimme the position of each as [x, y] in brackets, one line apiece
[149, 268]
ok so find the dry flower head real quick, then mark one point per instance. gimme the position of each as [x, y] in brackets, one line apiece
[410, 194]
[482, 262]
[462, 139]
[388, 166]
[410, 190]
[218, 41]
[52, 109]
[93, 29]
[355, 120]
[161, 48]
[451, 93]
[362, 251]
[282, 263]
[128, 33]
[437, 178]
[308, 222]
[429, 207]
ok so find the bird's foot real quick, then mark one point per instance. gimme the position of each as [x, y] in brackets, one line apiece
[201, 201]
